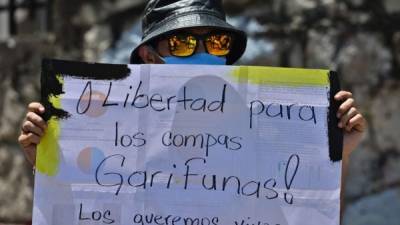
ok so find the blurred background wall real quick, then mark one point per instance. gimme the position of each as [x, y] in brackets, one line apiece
[358, 38]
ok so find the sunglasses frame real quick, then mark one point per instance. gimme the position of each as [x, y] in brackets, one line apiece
[198, 38]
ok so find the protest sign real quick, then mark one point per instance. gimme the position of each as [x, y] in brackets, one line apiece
[188, 144]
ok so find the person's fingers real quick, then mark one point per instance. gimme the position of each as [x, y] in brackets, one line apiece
[36, 107]
[357, 122]
[29, 127]
[345, 106]
[33, 138]
[36, 120]
[343, 95]
[28, 139]
[29, 143]
[23, 140]
[32, 130]
[347, 116]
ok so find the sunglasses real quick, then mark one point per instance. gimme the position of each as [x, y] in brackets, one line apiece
[185, 44]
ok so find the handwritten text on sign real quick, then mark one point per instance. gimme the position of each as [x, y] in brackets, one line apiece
[188, 145]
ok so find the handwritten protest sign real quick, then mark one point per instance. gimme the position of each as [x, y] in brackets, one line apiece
[190, 145]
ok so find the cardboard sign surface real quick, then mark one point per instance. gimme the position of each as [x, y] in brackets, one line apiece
[198, 145]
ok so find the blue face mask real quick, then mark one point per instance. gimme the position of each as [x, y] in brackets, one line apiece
[199, 58]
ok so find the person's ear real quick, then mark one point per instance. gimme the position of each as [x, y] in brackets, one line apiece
[149, 56]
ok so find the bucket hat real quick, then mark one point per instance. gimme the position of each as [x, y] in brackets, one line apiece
[166, 16]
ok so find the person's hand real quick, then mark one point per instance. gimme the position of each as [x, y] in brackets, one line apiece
[32, 130]
[351, 120]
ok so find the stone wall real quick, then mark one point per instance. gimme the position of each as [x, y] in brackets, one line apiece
[358, 38]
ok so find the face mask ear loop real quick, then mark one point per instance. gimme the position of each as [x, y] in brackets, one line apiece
[155, 53]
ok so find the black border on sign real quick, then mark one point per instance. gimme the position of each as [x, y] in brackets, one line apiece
[335, 133]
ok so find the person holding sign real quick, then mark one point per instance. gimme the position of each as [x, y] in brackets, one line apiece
[193, 32]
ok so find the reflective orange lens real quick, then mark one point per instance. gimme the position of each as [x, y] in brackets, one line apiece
[182, 45]
[219, 44]
[185, 44]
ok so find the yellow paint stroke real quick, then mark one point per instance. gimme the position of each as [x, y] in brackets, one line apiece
[281, 76]
[48, 154]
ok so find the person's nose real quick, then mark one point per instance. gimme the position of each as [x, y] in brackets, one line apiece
[201, 48]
